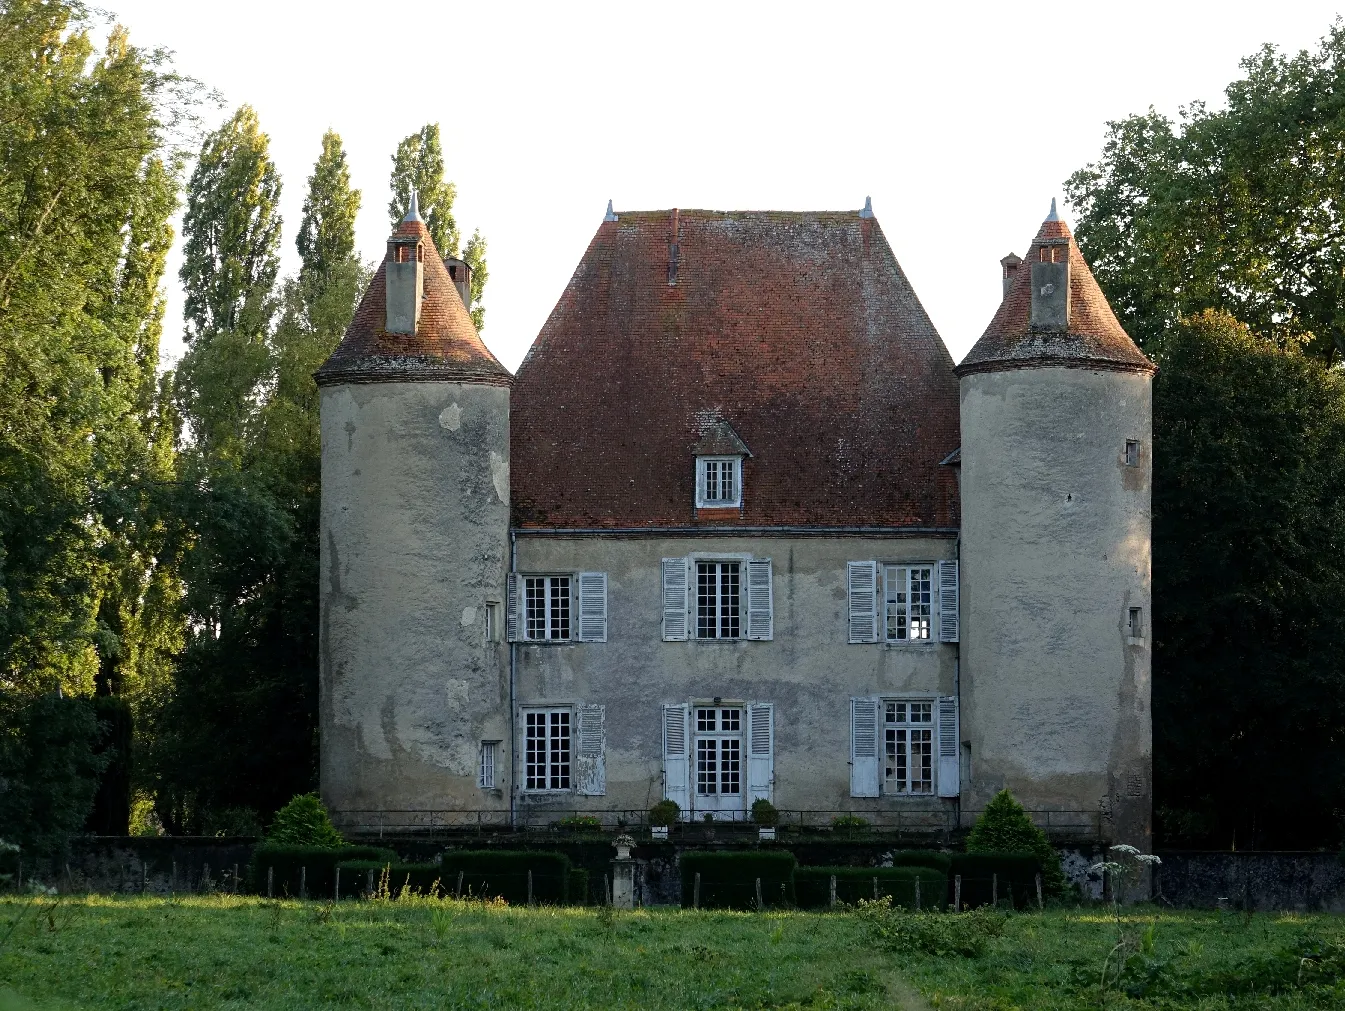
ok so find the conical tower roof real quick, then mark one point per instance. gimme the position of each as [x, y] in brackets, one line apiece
[445, 346]
[1093, 337]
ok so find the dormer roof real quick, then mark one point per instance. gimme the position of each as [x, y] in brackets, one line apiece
[798, 331]
[445, 346]
[1093, 337]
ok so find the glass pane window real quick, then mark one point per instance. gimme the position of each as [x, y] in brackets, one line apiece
[908, 593]
[718, 600]
[487, 777]
[718, 481]
[908, 747]
[719, 752]
[547, 749]
[546, 607]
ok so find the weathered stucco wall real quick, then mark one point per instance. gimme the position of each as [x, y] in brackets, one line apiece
[808, 671]
[415, 514]
[1055, 550]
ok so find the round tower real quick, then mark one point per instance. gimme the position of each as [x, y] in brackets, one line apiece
[1055, 485]
[415, 527]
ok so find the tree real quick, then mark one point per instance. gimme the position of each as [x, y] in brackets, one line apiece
[327, 232]
[1237, 209]
[419, 165]
[1004, 827]
[1249, 588]
[229, 268]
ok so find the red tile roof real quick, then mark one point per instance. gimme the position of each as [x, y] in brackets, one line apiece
[798, 330]
[445, 346]
[1094, 338]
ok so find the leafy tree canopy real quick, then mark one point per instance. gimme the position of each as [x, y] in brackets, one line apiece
[1237, 209]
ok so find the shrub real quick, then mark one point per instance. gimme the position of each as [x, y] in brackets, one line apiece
[812, 885]
[578, 887]
[848, 822]
[303, 822]
[504, 874]
[581, 822]
[764, 813]
[312, 866]
[941, 934]
[922, 858]
[665, 812]
[1004, 827]
[728, 879]
[1016, 874]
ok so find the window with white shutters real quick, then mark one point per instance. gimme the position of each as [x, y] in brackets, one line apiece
[908, 748]
[674, 599]
[546, 608]
[950, 612]
[902, 603]
[546, 755]
[950, 768]
[863, 747]
[861, 580]
[909, 600]
[592, 606]
[590, 759]
[760, 751]
[676, 766]
[718, 600]
[760, 624]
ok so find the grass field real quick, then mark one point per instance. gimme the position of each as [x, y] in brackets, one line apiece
[220, 952]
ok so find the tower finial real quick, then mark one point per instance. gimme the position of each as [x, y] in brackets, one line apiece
[1053, 216]
[413, 212]
[611, 214]
[867, 212]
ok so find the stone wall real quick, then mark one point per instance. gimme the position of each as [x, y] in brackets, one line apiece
[1258, 881]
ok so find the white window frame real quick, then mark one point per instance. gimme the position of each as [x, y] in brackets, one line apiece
[735, 468]
[489, 757]
[899, 748]
[492, 621]
[895, 579]
[725, 758]
[737, 599]
[552, 603]
[557, 764]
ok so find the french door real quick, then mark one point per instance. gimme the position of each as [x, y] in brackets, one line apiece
[719, 776]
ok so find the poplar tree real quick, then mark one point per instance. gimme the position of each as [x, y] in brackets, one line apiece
[327, 232]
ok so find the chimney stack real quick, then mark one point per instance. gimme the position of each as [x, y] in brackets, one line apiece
[462, 278]
[404, 277]
[1010, 263]
[1050, 286]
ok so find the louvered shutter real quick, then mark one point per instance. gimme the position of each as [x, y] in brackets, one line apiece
[590, 761]
[950, 773]
[949, 594]
[760, 624]
[760, 751]
[863, 747]
[511, 607]
[592, 607]
[862, 584]
[674, 599]
[676, 754]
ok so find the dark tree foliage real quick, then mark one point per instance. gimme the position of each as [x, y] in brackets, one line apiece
[1249, 589]
[111, 813]
[1238, 209]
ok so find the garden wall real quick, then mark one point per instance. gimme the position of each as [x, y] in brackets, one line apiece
[1256, 881]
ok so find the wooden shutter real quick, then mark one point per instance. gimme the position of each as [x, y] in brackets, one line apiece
[760, 751]
[760, 624]
[592, 607]
[863, 747]
[948, 602]
[674, 599]
[862, 582]
[677, 754]
[950, 771]
[590, 761]
[511, 607]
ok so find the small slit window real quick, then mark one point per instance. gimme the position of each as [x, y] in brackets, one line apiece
[1136, 625]
[1132, 453]
[486, 777]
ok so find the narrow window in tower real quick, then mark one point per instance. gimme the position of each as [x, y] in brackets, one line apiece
[1136, 624]
[486, 780]
[492, 621]
[718, 600]
[908, 748]
[546, 755]
[546, 608]
[1132, 453]
[908, 600]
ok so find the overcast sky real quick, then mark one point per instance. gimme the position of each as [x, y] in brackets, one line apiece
[960, 120]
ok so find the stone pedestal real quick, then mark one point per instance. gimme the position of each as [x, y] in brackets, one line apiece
[623, 874]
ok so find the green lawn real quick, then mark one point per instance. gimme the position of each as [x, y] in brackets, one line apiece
[208, 952]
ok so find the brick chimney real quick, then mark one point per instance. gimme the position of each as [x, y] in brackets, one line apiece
[1010, 263]
[1050, 282]
[404, 275]
[462, 278]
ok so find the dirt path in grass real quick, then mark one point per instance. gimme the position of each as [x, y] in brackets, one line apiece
[906, 996]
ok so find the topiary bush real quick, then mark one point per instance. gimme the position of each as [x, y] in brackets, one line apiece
[303, 822]
[764, 813]
[1004, 827]
[665, 812]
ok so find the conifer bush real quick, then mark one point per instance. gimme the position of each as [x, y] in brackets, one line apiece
[304, 822]
[1005, 828]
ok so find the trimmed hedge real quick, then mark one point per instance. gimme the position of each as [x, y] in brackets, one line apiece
[728, 879]
[422, 878]
[504, 873]
[1017, 874]
[319, 861]
[579, 887]
[922, 858]
[813, 885]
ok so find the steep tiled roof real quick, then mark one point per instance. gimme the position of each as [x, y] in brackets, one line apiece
[1094, 338]
[445, 345]
[800, 331]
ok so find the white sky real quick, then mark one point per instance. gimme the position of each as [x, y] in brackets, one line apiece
[960, 120]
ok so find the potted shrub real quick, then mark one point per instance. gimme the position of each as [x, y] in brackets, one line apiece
[766, 817]
[661, 816]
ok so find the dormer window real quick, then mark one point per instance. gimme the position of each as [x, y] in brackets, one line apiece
[719, 482]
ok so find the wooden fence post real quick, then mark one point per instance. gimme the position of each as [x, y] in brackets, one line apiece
[303, 882]
[760, 904]
[235, 879]
[957, 893]
[917, 891]
[336, 888]
[172, 881]
[696, 892]
[994, 889]
[205, 878]
[832, 901]
[270, 882]
[530, 886]
[458, 893]
[1040, 904]
[606, 890]
[875, 888]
